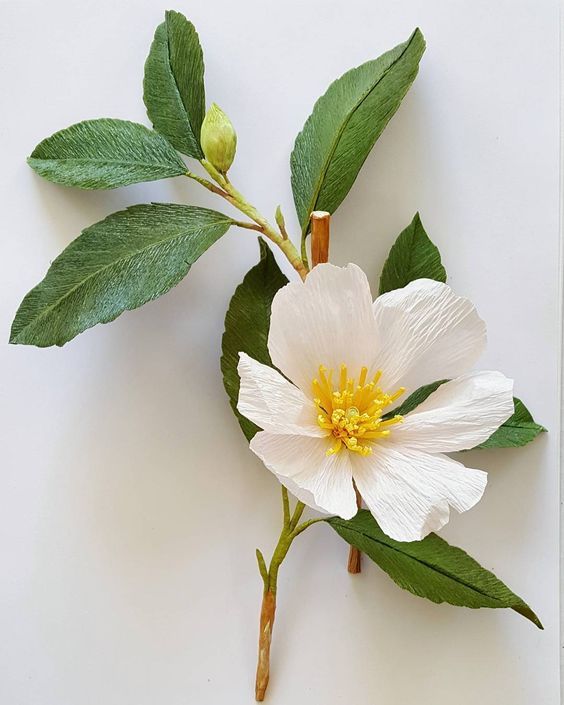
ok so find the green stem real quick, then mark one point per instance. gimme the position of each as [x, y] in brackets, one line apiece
[206, 184]
[304, 248]
[248, 226]
[306, 524]
[286, 506]
[290, 530]
[298, 511]
[230, 194]
[280, 552]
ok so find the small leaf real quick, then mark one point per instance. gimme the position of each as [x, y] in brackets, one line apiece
[413, 256]
[173, 86]
[105, 154]
[247, 323]
[118, 264]
[431, 568]
[344, 125]
[518, 430]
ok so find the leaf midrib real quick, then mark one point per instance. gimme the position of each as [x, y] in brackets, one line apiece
[317, 191]
[169, 64]
[430, 566]
[52, 307]
[76, 160]
[524, 424]
[411, 253]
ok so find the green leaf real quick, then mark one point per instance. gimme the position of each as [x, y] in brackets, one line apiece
[173, 86]
[247, 323]
[431, 568]
[518, 430]
[344, 125]
[104, 154]
[413, 256]
[118, 264]
[414, 399]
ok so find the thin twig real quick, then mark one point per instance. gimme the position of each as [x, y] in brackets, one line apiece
[230, 193]
[207, 184]
[302, 527]
[286, 506]
[297, 515]
[248, 226]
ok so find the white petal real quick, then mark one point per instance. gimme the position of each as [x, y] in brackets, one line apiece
[302, 459]
[326, 320]
[409, 492]
[270, 401]
[426, 333]
[459, 415]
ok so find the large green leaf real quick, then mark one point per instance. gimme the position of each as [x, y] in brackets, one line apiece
[173, 87]
[431, 568]
[104, 154]
[518, 430]
[247, 323]
[344, 125]
[413, 256]
[117, 264]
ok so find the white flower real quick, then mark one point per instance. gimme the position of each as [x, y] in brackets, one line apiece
[349, 362]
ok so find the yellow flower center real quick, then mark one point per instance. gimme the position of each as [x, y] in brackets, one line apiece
[353, 411]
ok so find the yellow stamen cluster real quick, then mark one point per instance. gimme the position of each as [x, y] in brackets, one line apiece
[353, 411]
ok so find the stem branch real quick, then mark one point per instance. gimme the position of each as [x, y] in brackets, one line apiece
[290, 530]
[298, 511]
[286, 507]
[206, 184]
[227, 191]
[306, 524]
[248, 226]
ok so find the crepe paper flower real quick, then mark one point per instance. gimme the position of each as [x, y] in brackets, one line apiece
[345, 363]
[334, 429]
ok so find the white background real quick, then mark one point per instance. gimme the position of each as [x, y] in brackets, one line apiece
[130, 506]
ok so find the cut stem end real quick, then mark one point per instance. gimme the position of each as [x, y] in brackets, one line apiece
[267, 613]
[355, 561]
[319, 237]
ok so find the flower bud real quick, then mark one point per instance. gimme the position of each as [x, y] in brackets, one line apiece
[219, 139]
[279, 218]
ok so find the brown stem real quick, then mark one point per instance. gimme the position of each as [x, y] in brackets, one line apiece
[319, 237]
[289, 532]
[267, 613]
[354, 565]
[355, 556]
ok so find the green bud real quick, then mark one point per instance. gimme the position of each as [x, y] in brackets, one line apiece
[279, 218]
[219, 139]
[281, 222]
